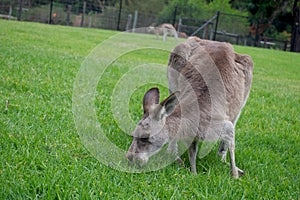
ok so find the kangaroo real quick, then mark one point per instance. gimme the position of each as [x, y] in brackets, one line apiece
[196, 109]
[165, 30]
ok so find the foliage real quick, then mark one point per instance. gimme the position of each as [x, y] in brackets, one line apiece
[266, 9]
[30, 3]
[267, 14]
[195, 13]
[183, 9]
[148, 6]
[38, 14]
[196, 9]
[42, 157]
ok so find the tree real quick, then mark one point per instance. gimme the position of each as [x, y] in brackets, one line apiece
[263, 13]
[267, 11]
[295, 41]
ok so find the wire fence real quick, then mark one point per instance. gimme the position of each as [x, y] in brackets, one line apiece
[230, 28]
[214, 26]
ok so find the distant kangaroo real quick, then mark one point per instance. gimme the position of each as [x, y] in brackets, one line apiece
[165, 30]
[186, 115]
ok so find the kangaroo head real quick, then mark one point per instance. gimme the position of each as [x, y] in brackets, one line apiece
[150, 28]
[151, 132]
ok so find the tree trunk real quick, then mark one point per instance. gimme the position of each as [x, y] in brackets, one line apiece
[295, 41]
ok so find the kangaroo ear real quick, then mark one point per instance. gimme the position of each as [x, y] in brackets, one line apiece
[150, 98]
[169, 104]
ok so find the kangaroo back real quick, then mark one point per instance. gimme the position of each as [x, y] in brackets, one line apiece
[195, 58]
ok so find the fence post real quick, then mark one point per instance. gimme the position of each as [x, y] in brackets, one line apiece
[119, 17]
[83, 13]
[135, 20]
[50, 15]
[285, 45]
[10, 9]
[90, 20]
[69, 8]
[20, 10]
[237, 39]
[256, 35]
[174, 16]
[179, 25]
[128, 25]
[216, 25]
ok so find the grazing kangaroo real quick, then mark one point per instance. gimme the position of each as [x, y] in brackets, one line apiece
[165, 30]
[196, 110]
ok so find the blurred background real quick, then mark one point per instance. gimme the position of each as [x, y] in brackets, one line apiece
[267, 24]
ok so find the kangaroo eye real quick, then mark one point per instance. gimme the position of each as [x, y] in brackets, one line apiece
[144, 125]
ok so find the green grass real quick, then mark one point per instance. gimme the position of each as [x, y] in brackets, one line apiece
[42, 156]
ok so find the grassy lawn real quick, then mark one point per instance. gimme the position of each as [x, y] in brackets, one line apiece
[42, 155]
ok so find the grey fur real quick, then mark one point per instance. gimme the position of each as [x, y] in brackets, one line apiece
[211, 84]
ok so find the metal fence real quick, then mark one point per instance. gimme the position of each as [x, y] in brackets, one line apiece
[230, 28]
[73, 13]
[215, 26]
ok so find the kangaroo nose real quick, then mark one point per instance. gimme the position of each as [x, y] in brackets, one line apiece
[129, 156]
